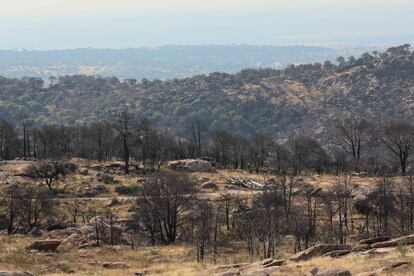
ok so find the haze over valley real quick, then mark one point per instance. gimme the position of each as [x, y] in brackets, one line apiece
[166, 62]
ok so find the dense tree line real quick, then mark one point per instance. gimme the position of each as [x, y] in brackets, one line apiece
[353, 145]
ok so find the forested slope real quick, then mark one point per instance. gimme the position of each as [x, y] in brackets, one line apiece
[296, 99]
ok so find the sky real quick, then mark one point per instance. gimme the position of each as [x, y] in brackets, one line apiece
[62, 24]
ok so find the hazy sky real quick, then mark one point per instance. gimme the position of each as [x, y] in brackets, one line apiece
[49, 24]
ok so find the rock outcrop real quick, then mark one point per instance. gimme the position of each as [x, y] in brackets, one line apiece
[71, 242]
[337, 253]
[317, 251]
[45, 245]
[191, 165]
[405, 240]
[396, 267]
[245, 183]
[374, 240]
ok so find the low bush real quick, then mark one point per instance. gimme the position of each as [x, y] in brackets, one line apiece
[127, 189]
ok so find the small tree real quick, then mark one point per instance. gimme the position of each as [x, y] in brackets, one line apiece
[75, 208]
[48, 172]
[110, 219]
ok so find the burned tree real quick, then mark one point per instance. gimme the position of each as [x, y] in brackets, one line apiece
[8, 141]
[398, 138]
[351, 135]
[166, 199]
[341, 192]
[124, 123]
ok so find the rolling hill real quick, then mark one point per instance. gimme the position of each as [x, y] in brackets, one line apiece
[302, 98]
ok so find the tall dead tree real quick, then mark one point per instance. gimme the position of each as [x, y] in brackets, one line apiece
[398, 138]
[124, 123]
[351, 134]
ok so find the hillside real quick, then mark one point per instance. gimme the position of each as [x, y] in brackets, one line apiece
[299, 98]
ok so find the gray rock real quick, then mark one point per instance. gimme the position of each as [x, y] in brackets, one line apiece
[229, 273]
[266, 261]
[84, 171]
[95, 167]
[61, 234]
[374, 240]
[245, 183]
[45, 245]
[70, 167]
[104, 177]
[265, 271]
[15, 273]
[405, 240]
[114, 265]
[274, 263]
[105, 231]
[337, 253]
[334, 272]
[209, 185]
[71, 242]
[361, 247]
[317, 251]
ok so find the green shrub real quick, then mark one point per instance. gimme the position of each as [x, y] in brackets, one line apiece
[402, 249]
[127, 189]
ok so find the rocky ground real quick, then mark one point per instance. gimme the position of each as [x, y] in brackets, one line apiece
[74, 250]
[26, 254]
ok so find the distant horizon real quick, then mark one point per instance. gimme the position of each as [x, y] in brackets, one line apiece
[340, 47]
[164, 62]
[69, 24]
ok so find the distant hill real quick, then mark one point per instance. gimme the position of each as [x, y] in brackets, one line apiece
[166, 62]
[296, 99]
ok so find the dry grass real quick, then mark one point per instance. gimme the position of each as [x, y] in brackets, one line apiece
[168, 260]
[358, 263]
[160, 260]
[173, 260]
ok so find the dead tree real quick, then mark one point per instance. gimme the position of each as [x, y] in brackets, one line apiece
[167, 199]
[398, 138]
[351, 134]
[124, 123]
[342, 191]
